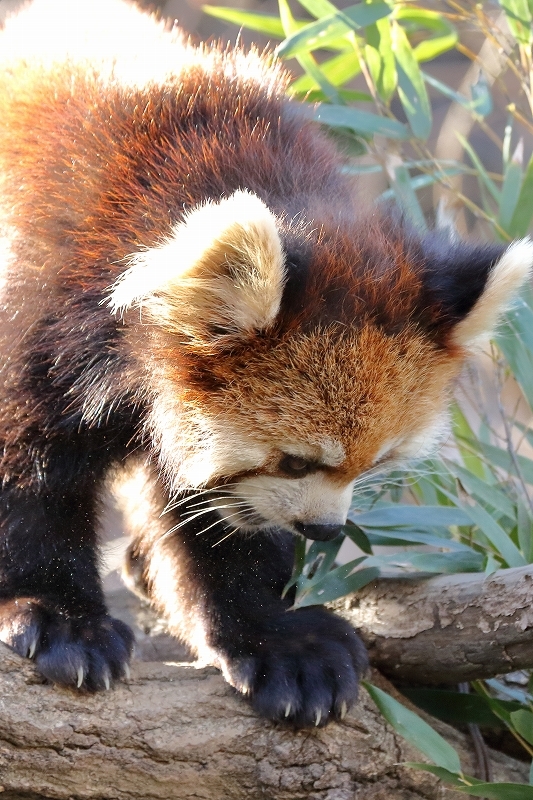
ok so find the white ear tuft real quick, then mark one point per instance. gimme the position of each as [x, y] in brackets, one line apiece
[222, 268]
[505, 279]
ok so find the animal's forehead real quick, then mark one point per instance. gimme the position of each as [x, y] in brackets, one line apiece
[344, 386]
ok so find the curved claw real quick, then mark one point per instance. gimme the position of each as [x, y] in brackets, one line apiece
[80, 677]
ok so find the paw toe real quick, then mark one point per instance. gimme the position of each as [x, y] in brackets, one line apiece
[88, 653]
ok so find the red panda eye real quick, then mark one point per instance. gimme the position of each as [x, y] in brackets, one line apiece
[296, 466]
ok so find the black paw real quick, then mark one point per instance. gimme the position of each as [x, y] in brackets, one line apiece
[305, 670]
[84, 652]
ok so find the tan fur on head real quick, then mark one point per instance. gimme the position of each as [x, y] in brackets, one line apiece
[222, 268]
[505, 279]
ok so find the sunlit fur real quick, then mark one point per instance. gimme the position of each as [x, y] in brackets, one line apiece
[190, 279]
[194, 233]
[222, 264]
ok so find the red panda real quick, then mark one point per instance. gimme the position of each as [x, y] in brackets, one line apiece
[189, 281]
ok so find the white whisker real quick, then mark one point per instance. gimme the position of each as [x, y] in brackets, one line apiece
[219, 521]
[234, 530]
[173, 504]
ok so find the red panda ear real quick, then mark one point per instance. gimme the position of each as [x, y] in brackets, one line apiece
[220, 273]
[474, 285]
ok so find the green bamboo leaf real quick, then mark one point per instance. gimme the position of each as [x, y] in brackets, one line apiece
[448, 92]
[520, 360]
[306, 60]
[478, 104]
[411, 87]
[407, 537]
[348, 143]
[519, 15]
[329, 29]
[463, 430]
[318, 8]
[492, 565]
[299, 561]
[406, 196]
[476, 788]
[335, 584]
[415, 730]
[321, 557]
[444, 774]
[362, 122]
[380, 58]
[394, 516]
[522, 721]
[254, 21]
[435, 46]
[496, 535]
[364, 169]
[344, 95]
[499, 708]
[523, 213]
[500, 458]
[308, 63]
[337, 70]
[499, 791]
[420, 181]
[358, 536]
[524, 530]
[457, 707]
[445, 38]
[486, 493]
[512, 182]
[286, 17]
[486, 181]
[519, 320]
[481, 96]
[440, 563]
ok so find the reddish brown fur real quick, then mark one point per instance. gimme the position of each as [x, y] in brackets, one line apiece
[123, 170]
[97, 172]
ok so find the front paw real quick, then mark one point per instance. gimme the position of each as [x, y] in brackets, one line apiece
[83, 652]
[305, 669]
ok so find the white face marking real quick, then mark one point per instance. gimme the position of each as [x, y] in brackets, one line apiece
[427, 441]
[422, 444]
[280, 502]
[386, 448]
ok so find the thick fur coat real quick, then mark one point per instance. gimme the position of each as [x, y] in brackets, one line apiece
[190, 289]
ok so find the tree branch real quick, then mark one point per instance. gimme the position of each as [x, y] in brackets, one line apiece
[447, 629]
[178, 732]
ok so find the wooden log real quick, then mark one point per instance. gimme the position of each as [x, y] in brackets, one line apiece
[447, 629]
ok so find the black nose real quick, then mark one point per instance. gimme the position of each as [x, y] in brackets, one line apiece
[322, 533]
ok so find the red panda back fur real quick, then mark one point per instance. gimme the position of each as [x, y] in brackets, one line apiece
[266, 368]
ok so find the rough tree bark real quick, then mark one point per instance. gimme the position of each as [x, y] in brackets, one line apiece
[447, 629]
[177, 732]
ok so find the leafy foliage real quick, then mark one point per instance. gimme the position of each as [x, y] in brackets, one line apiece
[472, 508]
[446, 763]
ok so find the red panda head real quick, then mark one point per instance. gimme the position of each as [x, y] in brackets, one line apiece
[286, 358]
